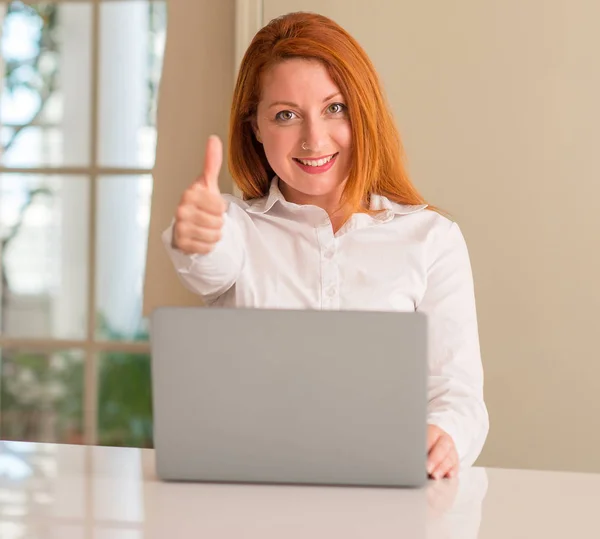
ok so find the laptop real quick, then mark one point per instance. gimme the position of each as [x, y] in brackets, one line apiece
[289, 396]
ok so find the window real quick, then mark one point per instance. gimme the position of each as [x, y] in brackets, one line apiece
[77, 132]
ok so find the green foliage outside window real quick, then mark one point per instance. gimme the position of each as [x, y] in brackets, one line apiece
[42, 397]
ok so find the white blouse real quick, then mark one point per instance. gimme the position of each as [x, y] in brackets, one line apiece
[276, 254]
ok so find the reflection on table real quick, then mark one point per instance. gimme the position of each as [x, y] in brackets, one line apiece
[68, 491]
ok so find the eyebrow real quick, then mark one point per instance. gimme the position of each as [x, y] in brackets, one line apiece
[290, 104]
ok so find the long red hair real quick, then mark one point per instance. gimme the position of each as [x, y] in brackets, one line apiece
[377, 161]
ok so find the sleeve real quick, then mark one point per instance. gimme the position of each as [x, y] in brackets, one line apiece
[210, 275]
[455, 380]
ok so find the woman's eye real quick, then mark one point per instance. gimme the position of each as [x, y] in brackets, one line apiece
[285, 115]
[336, 108]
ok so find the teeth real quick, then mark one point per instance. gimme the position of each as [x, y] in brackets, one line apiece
[317, 163]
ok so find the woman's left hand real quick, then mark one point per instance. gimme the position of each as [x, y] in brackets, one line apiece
[442, 458]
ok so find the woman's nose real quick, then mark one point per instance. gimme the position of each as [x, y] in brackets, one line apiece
[315, 136]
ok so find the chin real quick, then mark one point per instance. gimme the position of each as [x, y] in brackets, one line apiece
[317, 190]
[317, 184]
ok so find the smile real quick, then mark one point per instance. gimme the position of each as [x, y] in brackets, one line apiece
[315, 166]
[316, 162]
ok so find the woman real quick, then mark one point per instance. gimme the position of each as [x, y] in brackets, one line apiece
[329, 218]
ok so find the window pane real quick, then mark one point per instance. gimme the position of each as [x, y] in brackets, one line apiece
[45, 100]
[44, 235]
[132, 35]
[121, 237]
[124, 400]
[41, 396]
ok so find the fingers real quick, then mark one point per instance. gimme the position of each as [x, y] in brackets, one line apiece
[442, 456]
[437, 455]
[204, 200]
[453, 471]
[213, 160]
[198, 230]
[433, 435]
[188, 232]
[446, 465]
[191, 215]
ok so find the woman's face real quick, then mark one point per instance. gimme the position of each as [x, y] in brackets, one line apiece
[301, 105]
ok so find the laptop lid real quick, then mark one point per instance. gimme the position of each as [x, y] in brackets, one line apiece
[290, 396]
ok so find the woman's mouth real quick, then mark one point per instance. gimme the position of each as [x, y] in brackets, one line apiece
[316, 166]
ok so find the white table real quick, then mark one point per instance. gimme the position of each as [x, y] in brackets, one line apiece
[68, 492]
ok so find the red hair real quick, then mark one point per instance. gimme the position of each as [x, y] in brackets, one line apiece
[377, 161]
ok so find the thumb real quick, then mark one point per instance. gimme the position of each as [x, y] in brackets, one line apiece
[213, 158]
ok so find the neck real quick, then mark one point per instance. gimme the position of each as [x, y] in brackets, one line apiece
[329, 202]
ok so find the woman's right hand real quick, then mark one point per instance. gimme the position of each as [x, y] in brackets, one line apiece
[199, 216]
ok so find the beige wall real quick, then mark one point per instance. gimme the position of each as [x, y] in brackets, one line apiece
[194, 102]
[497, 104]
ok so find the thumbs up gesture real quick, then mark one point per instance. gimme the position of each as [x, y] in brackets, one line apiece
[199, 216]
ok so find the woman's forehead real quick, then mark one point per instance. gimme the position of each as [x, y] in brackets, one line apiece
[297, 78]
